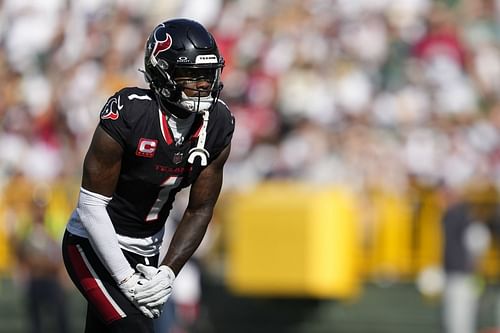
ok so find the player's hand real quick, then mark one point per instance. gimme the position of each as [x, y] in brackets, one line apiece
[129, 286]
[149, 272]
[155, 291]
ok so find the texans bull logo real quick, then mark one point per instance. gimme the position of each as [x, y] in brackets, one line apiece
[163, 41]
[112, 108]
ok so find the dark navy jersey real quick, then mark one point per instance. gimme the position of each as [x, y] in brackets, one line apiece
[154, 167]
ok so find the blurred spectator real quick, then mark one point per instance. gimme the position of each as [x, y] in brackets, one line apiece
[37, 243]
[470, 221]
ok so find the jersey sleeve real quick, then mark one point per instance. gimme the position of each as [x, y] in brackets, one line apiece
[113, 118]
[229, 129]
[224, 128]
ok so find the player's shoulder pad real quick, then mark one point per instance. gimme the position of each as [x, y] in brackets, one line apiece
[127, 103]
[222, 112]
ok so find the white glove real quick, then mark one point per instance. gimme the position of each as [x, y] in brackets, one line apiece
[128, 287]
[155, 291]
[148, 272]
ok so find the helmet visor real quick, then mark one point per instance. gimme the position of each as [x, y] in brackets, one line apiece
[196, 81]
[196, 74]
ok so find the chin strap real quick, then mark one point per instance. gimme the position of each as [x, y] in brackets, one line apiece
[199, 150]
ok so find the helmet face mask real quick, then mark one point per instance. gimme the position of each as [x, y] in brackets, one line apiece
[183, 65]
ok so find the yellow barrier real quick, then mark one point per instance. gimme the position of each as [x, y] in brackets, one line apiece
[293, 240]
[6, 255]
[428, 229]
[390, 250]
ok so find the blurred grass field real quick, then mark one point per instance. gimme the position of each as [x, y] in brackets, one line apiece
[397, 308]
[13, 315]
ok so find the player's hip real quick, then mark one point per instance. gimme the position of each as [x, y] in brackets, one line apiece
[93, 280]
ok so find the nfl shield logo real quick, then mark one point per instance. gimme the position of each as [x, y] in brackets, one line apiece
[177, 158]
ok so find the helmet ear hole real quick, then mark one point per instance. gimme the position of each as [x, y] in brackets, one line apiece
[163, 65]
[165, 93]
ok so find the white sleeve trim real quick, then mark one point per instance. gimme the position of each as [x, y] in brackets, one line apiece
[101, 233]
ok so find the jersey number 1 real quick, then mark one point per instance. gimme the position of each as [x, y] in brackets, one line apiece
[168, 185]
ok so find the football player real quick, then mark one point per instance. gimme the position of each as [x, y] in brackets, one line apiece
[149, 144]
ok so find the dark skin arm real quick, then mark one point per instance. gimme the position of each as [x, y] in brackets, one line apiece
[202, 199]
[100, 174]
[102, 164]
[101, 170]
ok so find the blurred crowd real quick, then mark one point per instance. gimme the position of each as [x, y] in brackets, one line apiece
[359, 92]
[369, 94]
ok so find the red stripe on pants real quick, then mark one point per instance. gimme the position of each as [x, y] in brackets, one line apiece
[93, 291]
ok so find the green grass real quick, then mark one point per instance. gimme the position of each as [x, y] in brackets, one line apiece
[397, 308]
[13, 313]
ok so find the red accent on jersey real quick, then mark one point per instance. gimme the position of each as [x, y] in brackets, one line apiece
[197, 133]
[174, 171]
[165, 130]
[111, 115]
[146, 147]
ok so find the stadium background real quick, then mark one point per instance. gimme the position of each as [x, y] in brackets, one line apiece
[358, 124]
